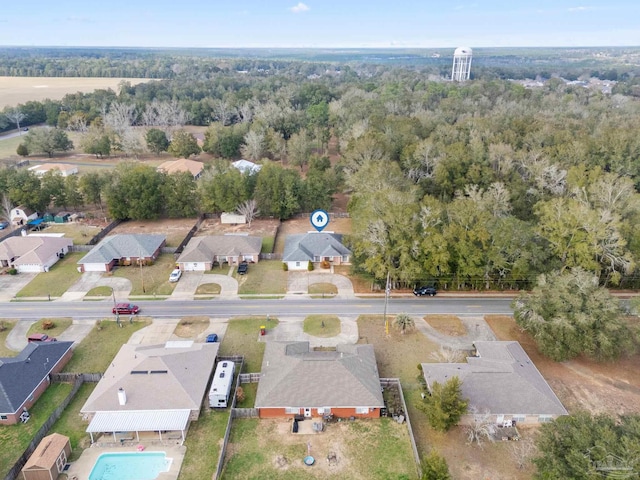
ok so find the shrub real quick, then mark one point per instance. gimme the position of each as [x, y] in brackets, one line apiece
[310, 266]
[285, 267]
[22, 150]
[325, 264]
[240, 396]
[12, 271]
[48, 324]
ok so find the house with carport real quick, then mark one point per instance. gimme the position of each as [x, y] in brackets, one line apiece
[296, 380]
[500, 381]
[150, 390]
[49, 458]
[26, 376]
[314, 247]
[201, 253]
[122, 249]
[33, 254]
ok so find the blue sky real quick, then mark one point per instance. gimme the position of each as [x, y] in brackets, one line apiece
[320, 23]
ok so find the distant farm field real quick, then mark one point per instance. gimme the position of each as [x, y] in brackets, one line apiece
[15, 90]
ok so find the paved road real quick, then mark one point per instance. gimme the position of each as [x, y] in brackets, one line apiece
[285, 307]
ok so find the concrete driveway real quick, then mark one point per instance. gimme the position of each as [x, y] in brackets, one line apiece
[160, 331]
[17, 338]
[90, 280]
[292, 329]
[10, 285]
[190, 281]
[298, 282]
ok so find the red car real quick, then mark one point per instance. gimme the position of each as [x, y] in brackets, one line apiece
[41, 337]
[125, 308]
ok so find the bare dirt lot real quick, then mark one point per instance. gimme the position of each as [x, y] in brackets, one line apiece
[259, 228]
[175, 229]
[581, 384]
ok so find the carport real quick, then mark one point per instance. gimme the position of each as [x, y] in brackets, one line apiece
[138, 421]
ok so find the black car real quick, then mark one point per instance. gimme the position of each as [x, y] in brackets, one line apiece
[242, 268]
[420, 291]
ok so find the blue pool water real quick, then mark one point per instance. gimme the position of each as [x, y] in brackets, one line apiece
[130, 466]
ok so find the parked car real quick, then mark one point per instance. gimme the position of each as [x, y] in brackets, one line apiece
[41, 337]
[242, 268]
[212, 338]
[175, 275]
[424, 290]
[3, 225]
[125, 308]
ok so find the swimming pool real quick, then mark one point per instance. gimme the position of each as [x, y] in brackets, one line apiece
[130, 466]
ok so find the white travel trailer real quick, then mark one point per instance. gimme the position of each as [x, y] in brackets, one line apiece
[221, 385]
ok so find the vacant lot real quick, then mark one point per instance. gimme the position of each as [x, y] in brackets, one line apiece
[259, 228]
[79, 232]
[175, 229]
[364, 449]
[15, 90]
[581, 384]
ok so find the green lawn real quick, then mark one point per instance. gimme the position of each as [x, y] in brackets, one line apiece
[322, 325]
[59, 326]
[5, 328]
[266, 277]
[8, 147]
[203, 445]
[71, 424]
[154, 278]
[267, 244]
[376, 449]
[56, 281]
[241, 338]
[15, 438]
[96, 351]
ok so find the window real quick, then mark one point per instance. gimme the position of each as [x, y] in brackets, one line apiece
[545, 418]
[362, 410]
[324, 411]
[291, 410]
[519, 418]
[297, 264]
[3, 417]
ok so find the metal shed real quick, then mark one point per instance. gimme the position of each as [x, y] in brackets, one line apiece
[62, 217]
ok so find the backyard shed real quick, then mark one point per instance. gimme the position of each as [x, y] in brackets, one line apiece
[62, 217]
[48, 217]
[49, 458]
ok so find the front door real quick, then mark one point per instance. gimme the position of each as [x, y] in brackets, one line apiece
[307, 412]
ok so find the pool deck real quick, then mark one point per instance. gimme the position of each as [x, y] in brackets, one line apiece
[81, 468]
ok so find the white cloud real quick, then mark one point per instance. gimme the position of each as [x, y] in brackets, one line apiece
[299, 8]
[579, 9]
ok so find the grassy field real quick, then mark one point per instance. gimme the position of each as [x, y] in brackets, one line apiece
[78, 232]
[15, 438]
[365, 449]
[8, 147]
[96, 351]
[242, 337]
[265, 277]
[71, 424]
[203, 445]
[56, 281]
[323, 326]
[15, 90]
[5, 328]
[60, 325]
[155, 278]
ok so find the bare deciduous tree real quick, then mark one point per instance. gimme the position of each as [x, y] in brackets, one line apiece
[447, 355]
[5, 211]
[522, 452]
[16, 116]
[482, 428]
[253, 147]
[249, 209]
[168, 116]
[120, 117]
[223, 111]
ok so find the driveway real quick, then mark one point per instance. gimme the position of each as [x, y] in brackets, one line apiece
[90, 280]
[298, 282]
[477, 329]
[17, 338]
[190, 281]
[10, 285]
[292, 329]
[160, 331]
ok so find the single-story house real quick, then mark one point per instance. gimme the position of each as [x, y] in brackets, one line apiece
[33, 254]
[49, 458]
[245, 166]
[64, 169]
[182, 165]
[122, 249]
[298, 381]
[26, 376]
[502, 381]
[153, 388]
[303, 248]
[201, 252]
[21, 215]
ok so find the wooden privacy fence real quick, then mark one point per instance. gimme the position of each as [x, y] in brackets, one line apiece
[244, 413]
[249, 377]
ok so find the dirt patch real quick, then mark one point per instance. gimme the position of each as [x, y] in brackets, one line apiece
[447, 324]
[175, 229]
[581, 384]
[191, 327]
[259, 228]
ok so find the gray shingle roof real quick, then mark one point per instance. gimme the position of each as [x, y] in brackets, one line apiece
[294, 376]
[203, 249]
[20, 375]
[502, 379]
[304, 247]
[123, 245]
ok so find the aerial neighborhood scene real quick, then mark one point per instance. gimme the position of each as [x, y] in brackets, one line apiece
[320, 240]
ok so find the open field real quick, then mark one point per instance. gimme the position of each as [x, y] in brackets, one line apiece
[259, 228]
[364, 449]
[175, 229]
[15, 90]
[581, 384]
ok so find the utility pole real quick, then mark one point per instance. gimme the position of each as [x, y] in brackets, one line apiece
[141, 275]
[387, 291]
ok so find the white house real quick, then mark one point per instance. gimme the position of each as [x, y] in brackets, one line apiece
[64, 169]
[21, 215]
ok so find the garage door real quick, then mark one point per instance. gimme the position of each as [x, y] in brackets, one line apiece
[193, 266]
[95, 267]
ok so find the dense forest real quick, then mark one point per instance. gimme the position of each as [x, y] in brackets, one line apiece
[485, 184]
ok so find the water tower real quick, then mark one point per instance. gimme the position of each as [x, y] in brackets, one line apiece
[461, 64]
